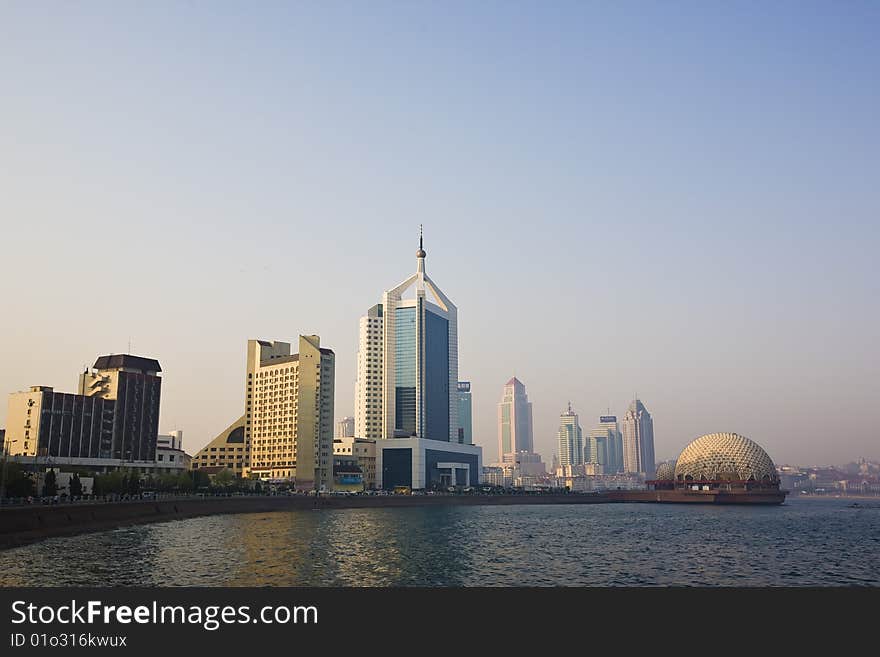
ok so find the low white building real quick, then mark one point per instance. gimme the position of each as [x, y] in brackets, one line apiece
[420, 463]
[170, 456]
[343, 446]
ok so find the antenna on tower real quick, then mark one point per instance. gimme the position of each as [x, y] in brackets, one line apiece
[421, 235]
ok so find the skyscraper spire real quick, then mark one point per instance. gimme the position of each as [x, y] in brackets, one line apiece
[421, 252]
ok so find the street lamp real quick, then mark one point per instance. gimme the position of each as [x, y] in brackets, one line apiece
[3, 469]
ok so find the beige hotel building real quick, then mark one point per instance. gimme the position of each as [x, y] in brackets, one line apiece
[289, 412]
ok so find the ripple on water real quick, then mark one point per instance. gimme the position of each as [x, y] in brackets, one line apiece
[801, 543]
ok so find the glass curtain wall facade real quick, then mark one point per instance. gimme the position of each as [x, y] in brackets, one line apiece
[405, 369]
[437, 394]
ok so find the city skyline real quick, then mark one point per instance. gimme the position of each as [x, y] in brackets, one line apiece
[546, 449]
[716, 174]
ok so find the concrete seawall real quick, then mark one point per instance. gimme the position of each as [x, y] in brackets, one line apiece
[21, 525]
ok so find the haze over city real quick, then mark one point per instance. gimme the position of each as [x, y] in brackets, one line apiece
[616, 206]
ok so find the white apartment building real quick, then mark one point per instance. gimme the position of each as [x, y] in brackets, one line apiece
[369, 385]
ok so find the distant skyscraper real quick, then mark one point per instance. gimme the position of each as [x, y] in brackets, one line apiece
[604, 445]
[514, 420]
[465, 413]
[344, 428]
[638, 440]
[571, 440]
[369, 389]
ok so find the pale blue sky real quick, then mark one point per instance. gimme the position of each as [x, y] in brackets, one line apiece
[677, 199]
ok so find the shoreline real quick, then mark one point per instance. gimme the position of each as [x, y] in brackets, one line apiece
[22, 525]
[29, 524]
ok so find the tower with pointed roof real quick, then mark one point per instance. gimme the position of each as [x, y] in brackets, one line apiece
[515, 429]
[420, 359]
[638, 440]
[571, 439]
[407, 394]
[407, 383]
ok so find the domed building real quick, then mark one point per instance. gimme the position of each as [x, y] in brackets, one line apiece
[719, 468]
[665, 471]
[725, 457]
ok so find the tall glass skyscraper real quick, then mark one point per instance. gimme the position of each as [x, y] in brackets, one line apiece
[604, 446]
[571, 439]
[638, 440]
[514, 420]
[420, 382]
[408, 368]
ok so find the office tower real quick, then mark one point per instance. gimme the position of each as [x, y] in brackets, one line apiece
[604, 445]
[420, 360]
[596, 448]
[638, 440]
[134, 383]
[465, 413]
[114, 416]
[289, 412]
[344, 428]
[369, 388]
[514, 420]
[571, 440]
[420, 445]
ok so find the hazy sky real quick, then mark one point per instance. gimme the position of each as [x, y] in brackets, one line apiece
[673, 199]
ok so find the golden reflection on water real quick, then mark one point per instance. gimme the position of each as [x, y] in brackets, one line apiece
[797, 544]
[344, 547]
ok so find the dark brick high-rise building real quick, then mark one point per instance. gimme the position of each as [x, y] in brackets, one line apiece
[135, 385]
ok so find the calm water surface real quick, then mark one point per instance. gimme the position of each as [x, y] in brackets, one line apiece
[804, 542]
